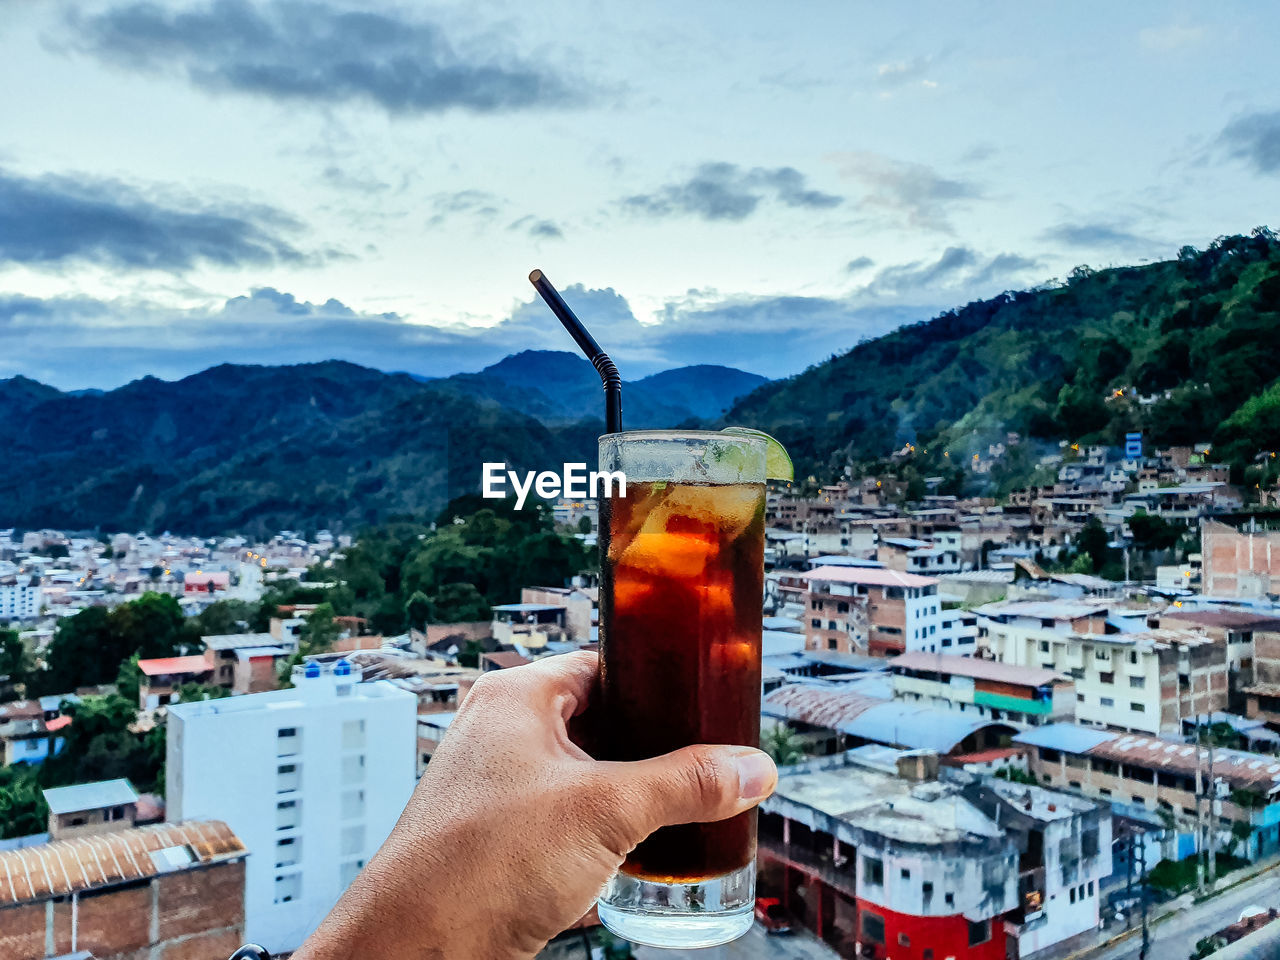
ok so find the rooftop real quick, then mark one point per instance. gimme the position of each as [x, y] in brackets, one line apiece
[527, 607]
[166, 666]
[63, 867]
[90, 796]
[973, 667]
[237, 641]
[869, 576]
[915, 726]
[1228, 619]
[505, 658]
[1043, 609]
[821, 706]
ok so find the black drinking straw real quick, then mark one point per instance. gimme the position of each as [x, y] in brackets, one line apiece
[608, 371]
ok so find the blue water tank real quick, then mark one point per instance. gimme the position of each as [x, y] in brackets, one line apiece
[342, 668]
[311, 670]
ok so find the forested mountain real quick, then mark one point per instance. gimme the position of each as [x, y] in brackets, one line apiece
[1185, 350]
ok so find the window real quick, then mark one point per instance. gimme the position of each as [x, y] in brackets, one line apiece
[927, 889]
[979, 932]
[1139, 800]
[1080, 698]
[833, 643]
[352, 804]
[1090, 888]
[1102, 654]
[1138, 707]
[927, 954]
[288, 851]
[352, 840]
[1044, 646]
[842, 607]
[872, 871]
[115, 813]
[1108, 701]
[287, 814]
[288, 887]
[906, 874]
[1137, 683]
[353, 768]
[1073, 894]
[1133, 658]
[831, 625]
[949, 899]
[946, 641]
[872, 928]
[288, 741]
[287, 778]
[1089, 842]
[904, 940]
[353, 735]
[1107, 677]
[816, 624]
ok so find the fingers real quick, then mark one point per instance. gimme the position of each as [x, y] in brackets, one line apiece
[697, 784]
[554, 685]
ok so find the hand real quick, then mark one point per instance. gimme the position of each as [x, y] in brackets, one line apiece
[513, 830]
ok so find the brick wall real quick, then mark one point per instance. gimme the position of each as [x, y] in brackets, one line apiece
[22, 931]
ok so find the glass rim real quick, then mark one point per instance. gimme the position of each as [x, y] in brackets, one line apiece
[679, 435]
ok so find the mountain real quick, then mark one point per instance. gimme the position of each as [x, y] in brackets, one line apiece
[256, 449]
[560, 388]
[1184, 350]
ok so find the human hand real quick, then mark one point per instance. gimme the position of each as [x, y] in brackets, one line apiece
[514, 830]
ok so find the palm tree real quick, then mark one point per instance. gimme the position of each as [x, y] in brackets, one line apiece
[781, 743]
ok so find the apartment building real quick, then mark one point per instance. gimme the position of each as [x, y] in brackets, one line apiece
[20, 599]
[1239, 561]
[1144, 681]
[1154, 774]
[925, 557]
[881, 854]
[988, 688]
[312, 779]
[877, 611]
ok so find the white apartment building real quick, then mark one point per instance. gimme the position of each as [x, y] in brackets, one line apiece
[312, 779]
[20, 601]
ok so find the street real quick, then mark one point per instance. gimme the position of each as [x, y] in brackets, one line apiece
[756, 945]
[1176, 938]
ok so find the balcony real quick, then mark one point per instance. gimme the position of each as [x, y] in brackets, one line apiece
[820, 864]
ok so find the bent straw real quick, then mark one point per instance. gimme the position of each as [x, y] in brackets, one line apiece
[608, 371]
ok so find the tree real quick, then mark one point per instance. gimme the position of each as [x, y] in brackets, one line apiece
[781, 743]
[320, 631]
[1152, 532]
[129, 679]
[1092, 542]
[584, 525]
[419, 610]
[13, 663]
[460, 603]
[226, 616]
[189, 692]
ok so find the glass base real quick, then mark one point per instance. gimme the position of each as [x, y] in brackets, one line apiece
[680, 915]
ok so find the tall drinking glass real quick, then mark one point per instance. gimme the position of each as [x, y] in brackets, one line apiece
[682, 582]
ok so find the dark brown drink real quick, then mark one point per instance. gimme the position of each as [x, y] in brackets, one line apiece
[682, 578]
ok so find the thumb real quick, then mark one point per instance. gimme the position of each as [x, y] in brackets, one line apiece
[696, 784]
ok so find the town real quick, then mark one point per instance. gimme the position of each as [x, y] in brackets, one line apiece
[985, 744]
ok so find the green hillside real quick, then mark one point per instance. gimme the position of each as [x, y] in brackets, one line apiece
[1185, 350]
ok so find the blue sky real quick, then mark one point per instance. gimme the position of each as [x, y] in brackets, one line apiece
[183, 184]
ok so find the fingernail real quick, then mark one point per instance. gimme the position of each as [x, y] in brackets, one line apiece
[756, 774]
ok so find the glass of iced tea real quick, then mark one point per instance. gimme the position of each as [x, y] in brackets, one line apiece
[681, 591]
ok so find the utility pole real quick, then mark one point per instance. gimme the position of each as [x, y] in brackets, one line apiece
[1199, 810]
[1146, 930]
[1213, 819]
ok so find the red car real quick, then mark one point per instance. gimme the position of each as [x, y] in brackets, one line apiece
[771, 915]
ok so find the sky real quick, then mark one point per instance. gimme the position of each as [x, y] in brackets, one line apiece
[756, 184]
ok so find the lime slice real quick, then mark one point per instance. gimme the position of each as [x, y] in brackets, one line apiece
[777, 463]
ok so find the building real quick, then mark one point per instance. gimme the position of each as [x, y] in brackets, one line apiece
[1159, 774]
[1144, 681]
[91, 809]
[924, 557]
[1251, 639]
[880, 857]
[169, 891]
[1002, 691]
[20, 599]
[245, 662]
[311, 778]
[874, 611]
[1239, 561]
[28, 734]
[161, 678]
[580, 614]
[531, 625]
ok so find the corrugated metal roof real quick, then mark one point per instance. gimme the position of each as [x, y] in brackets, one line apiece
[85, 863]
[973, 667]
[821, 706]
[869, 576]
[234, 641]
[915, 726]
[90, 796]
[165, 666]
[1240, 769]
[1067, 737]
[1228, 619]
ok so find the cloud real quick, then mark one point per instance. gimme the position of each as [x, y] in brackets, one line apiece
[55, 219]
[903, 73]
[1171, 37]
[959, 273]
[538, 229]
[860, 263]
[725, 191]
[313, 52]
[906, 189]
[475, 203]
[1255, 138]
[1100, 236]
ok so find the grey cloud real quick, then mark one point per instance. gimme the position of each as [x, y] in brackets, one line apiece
[305, 51]
[1099, 236]
[1255, 138]
[51, 219]
[908, 189]
[476, 203]
[860, 263]
[891, 76]
[959, 270]
[725, 191]
[539, 229]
